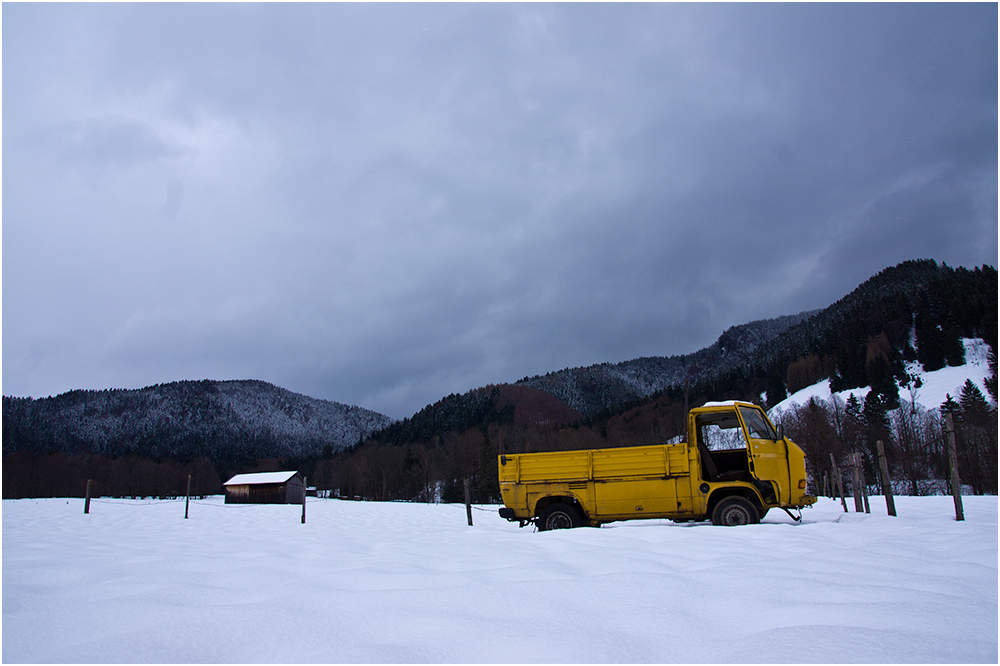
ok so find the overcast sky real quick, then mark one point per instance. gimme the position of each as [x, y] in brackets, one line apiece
[384, 204]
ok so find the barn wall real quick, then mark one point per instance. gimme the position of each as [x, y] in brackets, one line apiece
[264, 493]
[237, 494]
[267, 493]
[295, 490]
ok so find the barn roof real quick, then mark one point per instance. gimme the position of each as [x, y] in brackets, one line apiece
[259, 477]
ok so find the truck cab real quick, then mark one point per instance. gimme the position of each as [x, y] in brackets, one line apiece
[742, 454]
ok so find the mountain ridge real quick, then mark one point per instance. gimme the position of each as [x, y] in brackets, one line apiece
[229, 421]
[643, 377]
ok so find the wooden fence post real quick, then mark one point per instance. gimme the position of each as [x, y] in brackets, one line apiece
[468, 502]
[86, 502]
[956, 483]
[187, 498]
[304, 486]
[856, 482]
[837, 483]
[864, 488]
[886, 481]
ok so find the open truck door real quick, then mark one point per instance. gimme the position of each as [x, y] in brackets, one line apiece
[767, 453]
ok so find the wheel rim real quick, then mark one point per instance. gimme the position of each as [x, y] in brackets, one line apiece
[735, 515]
[559, 520]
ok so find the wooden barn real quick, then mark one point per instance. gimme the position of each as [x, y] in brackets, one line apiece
[265, 488]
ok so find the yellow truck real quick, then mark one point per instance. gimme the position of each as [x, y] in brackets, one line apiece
[733, 467]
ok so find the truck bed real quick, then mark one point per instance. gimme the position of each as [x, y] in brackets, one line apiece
[634, 462]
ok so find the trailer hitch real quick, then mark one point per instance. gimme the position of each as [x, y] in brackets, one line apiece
[797, 518]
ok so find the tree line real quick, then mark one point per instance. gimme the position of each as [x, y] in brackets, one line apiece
[60, 474]
[434, 469]
[913, 438]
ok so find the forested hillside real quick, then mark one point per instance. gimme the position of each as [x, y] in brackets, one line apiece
[227, 424]
[607, 387]
[916, 312]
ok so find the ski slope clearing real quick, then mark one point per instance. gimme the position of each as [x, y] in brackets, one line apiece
[934, 387]
[134, 581]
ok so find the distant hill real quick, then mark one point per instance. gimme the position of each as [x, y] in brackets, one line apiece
[915, 311]
[521, 405]
[607, 387]
[229, 422]
[577, 394]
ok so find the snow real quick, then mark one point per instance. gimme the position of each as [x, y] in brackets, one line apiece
[260, 477]
[934, 388]
[134, 581]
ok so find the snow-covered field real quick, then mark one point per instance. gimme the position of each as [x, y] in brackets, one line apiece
[393, 582]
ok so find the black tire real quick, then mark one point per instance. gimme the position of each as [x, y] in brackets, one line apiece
[734, 511]
[559, 516]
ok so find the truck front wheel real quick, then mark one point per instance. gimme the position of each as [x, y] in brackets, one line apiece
[559, 516]
[735, 511]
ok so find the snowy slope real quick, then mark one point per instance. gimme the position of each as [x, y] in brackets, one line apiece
[395, 582]
[934, 389]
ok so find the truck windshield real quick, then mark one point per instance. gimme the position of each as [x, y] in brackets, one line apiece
[757, 426]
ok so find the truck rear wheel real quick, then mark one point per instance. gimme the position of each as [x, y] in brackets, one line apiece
[559, 516]
[735, 511]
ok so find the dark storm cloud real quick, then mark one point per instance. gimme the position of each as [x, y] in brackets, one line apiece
[383, 204]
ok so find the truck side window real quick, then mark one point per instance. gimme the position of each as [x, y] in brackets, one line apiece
[722, 432]
[757, 425]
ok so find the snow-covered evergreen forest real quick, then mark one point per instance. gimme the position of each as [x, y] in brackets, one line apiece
[205, 428]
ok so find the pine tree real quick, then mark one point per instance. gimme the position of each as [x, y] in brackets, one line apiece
[775, 390]
[977, 435]
[930, 342]
[954, 350]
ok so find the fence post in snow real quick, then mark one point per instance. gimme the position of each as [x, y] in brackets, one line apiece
[856, 483]
[837, 483]
[956, 483]
[187, 498]
[468, 501]
[864, 485]
[86, 502]
[304, 486]
[886, 481]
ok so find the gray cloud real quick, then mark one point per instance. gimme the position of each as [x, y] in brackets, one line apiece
[383, 204]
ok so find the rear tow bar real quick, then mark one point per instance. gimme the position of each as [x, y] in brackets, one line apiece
[797, 518]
